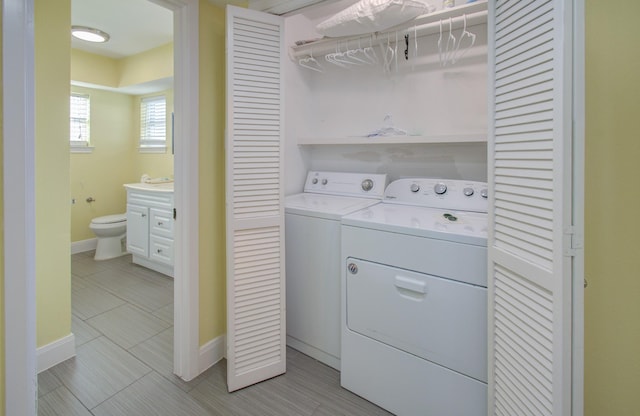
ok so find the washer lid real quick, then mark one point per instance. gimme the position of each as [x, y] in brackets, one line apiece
[110, 219]
[325, 206]
[458, 226]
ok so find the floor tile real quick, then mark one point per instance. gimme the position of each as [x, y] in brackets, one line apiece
[146, 296]
[60, 402]
[47, 382]
[99, 370]
[152, 395]
[157, 353]
[91, 301]
[83, 332]
[165, 313]
[127, 325]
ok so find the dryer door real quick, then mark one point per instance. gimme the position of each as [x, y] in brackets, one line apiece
[440, 320]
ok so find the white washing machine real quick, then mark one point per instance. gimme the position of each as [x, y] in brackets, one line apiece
[414, 299]
[313, 270]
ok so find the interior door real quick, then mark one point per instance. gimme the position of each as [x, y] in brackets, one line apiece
[530, 239]
[256, 328]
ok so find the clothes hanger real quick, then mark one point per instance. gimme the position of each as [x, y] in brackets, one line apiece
[465, 34]
[310, 63]
[451, 44]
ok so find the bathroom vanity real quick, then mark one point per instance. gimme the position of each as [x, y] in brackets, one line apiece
[150, 225]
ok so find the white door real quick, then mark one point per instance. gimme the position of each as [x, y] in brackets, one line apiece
[256, 328]
[530, 182]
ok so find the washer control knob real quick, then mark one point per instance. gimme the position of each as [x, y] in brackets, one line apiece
[314, 181]
[467, 191]
[367, 185]
[324, 181]
[484, 193]
[414, 187]
[440, 188]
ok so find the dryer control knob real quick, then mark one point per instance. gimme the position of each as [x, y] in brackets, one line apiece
[415, 187]
[324, 181]
[440, 188]
[468, 191]
[484, 193]
[314, 181]
[367, 185]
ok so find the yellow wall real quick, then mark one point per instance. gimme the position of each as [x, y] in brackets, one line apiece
[147, 66]
[94, 69]
[151, 65]
[102, 173]
[115, 160]
[53, 274]
[612, 229]
[211, 165]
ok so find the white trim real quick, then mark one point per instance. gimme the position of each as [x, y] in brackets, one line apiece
[56, 352]
[84, 245]
[186, 105]
[20, 386]
[152, 149]
[212, 352]
[578, 208]
[81, 149]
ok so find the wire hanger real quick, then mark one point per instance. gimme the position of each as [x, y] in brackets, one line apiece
[465, 34]
[310, 63]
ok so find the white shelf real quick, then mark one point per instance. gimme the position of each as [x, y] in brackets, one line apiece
[425, 25]
[443, 139]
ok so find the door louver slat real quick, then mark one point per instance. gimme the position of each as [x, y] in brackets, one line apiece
[527, 286]
[255, 214]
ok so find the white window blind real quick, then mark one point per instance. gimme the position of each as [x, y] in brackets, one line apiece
[153, 122]
[79, 120]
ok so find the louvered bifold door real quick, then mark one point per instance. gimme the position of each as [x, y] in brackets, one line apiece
[254, 198]
[530, 192]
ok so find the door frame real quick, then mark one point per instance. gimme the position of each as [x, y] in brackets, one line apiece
[186, 340]
[19, 199]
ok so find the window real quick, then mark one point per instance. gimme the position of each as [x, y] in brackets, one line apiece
[79, 122]
[153, 123]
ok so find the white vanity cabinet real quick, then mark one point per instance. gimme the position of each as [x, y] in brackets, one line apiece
[150, 226]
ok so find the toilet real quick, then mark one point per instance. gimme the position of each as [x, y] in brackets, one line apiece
[110, 231]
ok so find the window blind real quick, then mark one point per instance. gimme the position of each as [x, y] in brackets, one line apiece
[79, 119]
[153, 122]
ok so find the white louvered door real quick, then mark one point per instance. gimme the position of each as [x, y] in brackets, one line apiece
[254, 198]
[530, 62]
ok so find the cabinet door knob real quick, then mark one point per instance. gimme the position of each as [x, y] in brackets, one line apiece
[159, 250]
[159, 222]
[143, 215]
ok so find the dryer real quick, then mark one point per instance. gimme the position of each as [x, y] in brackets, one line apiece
[313, 270]
[414, 299]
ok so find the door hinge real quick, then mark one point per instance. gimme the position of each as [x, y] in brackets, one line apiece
[174, 213]
[573, 241]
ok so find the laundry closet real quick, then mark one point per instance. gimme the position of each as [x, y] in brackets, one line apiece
[422, 104]
[435, 94]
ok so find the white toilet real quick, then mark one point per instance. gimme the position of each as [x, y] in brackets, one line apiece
[110, 231]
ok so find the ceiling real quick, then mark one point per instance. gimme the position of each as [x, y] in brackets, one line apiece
[134, 25]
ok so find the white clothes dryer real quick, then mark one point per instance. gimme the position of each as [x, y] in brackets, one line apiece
[313, 270]
[414, 299]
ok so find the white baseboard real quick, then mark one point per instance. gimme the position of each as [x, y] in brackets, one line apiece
[56, 352]
[212, 352]
[84, 245]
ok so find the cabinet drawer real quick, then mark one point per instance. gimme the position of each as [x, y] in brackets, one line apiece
[161, 249]
[161, 222]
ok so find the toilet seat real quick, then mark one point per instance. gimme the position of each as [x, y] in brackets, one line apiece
[110, 219]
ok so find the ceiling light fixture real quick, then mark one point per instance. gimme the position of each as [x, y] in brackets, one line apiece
[89, 34]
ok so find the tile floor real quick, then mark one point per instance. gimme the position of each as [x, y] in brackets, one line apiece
[123, 324]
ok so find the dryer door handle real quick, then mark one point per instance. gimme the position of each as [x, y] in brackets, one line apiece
[412, 285]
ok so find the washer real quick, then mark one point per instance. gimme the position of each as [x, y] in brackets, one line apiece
[313, 268]
[414, 299]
